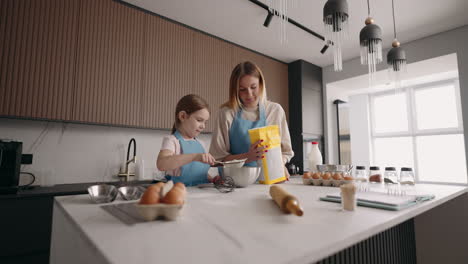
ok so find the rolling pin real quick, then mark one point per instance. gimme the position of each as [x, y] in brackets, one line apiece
[286, 202]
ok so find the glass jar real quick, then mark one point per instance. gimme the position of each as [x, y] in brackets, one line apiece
[390, 175]
[406, 176]
[360, 174]
[375, 176]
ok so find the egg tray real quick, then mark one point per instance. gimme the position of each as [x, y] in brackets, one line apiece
[322, 182]
[151, 212]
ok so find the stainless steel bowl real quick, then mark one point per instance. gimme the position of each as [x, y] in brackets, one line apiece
[102, 193]
[131, 192]
[333, 168]
[243, 176]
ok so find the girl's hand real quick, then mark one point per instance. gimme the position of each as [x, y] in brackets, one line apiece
[255, 152]
[205, 158]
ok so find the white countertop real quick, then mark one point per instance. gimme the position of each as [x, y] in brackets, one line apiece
[244, 226]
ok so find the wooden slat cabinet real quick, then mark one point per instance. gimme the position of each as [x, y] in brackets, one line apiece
[109, 64]
[276, 77]
[37, 52]
[103, 62]
[167, 71]
[212, 67]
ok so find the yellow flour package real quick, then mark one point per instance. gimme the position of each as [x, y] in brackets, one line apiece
[272, 162]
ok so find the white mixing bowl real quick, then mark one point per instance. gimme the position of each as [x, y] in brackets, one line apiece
[243, 176]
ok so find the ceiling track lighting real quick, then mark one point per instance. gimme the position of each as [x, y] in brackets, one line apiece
[370, 39]
[292, 21]
[396, 57]
[268, 19]
[335, 21]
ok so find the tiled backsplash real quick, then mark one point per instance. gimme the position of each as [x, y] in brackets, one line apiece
[74, 153]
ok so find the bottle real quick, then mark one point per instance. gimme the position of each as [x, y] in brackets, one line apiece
[374, 174]
[406, 176]
[390, 175]
[286, 202]
[314, 157]
[139, 170]
[361, 174]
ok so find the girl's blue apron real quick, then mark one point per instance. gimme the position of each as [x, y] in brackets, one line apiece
[195, 172]
[239, 139]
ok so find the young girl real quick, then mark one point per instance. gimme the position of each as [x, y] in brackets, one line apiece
[182, 155]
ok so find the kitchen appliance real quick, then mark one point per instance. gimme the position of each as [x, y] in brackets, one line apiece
[10, 162]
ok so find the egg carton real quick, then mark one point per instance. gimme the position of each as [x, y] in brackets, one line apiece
[151, 212]
[322, 182]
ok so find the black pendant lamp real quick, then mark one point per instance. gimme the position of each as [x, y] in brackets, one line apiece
[335, 20]
[396, 57]
[370, 39]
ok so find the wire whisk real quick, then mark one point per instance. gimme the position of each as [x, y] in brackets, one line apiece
[225, 184]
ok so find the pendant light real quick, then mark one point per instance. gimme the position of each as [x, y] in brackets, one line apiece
[280, 8]
[371, 45]
[335, 20]
[396, 57]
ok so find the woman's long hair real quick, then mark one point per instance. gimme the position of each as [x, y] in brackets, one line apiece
[242, 69]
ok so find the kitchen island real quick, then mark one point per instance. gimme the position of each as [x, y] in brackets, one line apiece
[244, 226]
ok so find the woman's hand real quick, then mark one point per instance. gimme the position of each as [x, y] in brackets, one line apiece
[205, 158]
[255, 152]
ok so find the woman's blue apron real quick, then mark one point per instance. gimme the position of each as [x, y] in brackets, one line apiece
[239, 139]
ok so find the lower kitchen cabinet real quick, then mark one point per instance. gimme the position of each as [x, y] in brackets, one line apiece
[26, 229]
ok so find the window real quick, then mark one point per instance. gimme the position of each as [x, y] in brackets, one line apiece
[421, 127]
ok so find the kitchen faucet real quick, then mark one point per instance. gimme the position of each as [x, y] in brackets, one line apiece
[127, 173]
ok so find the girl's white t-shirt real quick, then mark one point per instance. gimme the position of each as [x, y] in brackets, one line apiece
[172, 143]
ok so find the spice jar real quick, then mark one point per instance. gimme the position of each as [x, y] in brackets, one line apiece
[390, 175]
[406, 176]
[374, 174]
[360, 174]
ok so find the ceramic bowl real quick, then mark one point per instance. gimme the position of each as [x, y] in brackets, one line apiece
[243, 176]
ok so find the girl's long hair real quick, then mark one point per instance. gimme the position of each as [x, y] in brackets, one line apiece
[189, 103]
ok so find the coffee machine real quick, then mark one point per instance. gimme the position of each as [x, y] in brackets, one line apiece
[10, 162]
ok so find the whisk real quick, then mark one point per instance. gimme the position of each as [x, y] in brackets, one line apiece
[225, 184]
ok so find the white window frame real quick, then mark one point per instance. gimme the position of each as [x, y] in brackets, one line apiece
[413, 131]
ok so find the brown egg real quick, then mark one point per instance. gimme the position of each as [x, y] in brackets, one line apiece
[337, 176]
[316, 176]
[156, 186]
[307, 175]
[181, 186]
[326, 176]
[151, 196]
[348, 178]
[174, 196]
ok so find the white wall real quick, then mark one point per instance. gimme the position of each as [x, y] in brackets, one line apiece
[73, 153]
[453, 41]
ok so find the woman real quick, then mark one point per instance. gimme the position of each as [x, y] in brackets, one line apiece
[247, 108]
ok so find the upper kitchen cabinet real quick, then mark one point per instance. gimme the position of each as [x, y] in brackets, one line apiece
[276, 79]
[104, 62]
[110, 69]
[167, 73]
[312, 119]
[37, 52]
[212, 67]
